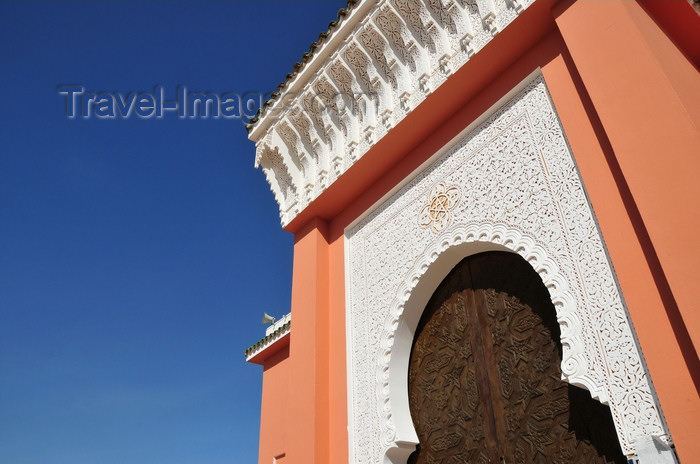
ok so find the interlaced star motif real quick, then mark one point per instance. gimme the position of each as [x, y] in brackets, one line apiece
[537, 439]
[436, 213]
[520, 350]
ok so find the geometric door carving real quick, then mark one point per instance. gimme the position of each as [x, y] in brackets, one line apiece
[485, 379]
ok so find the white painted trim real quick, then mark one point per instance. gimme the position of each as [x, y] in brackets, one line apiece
[348, 348]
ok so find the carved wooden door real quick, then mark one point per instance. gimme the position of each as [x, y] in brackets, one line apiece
[484, 375]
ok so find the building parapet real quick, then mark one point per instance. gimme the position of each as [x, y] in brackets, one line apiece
[275, 335]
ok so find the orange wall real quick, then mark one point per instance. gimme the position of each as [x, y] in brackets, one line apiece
[647, 96]
[626, 114]
[643, 99]
[308, 401]
[295, 410]
[274, 405]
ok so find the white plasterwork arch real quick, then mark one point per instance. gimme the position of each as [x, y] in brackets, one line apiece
[399, 330]
[508, 183]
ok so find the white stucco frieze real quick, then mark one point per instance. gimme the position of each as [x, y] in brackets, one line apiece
[516, 188]
[384, 60]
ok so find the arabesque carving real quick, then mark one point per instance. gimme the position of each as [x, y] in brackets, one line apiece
[520, 191]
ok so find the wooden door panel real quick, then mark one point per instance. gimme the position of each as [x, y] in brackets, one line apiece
[484, 375]
[449, 387]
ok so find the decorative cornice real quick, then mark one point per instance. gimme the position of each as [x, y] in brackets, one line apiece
[305, 58]
[376, 66]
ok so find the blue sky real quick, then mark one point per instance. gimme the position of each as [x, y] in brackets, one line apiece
[137, 255]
